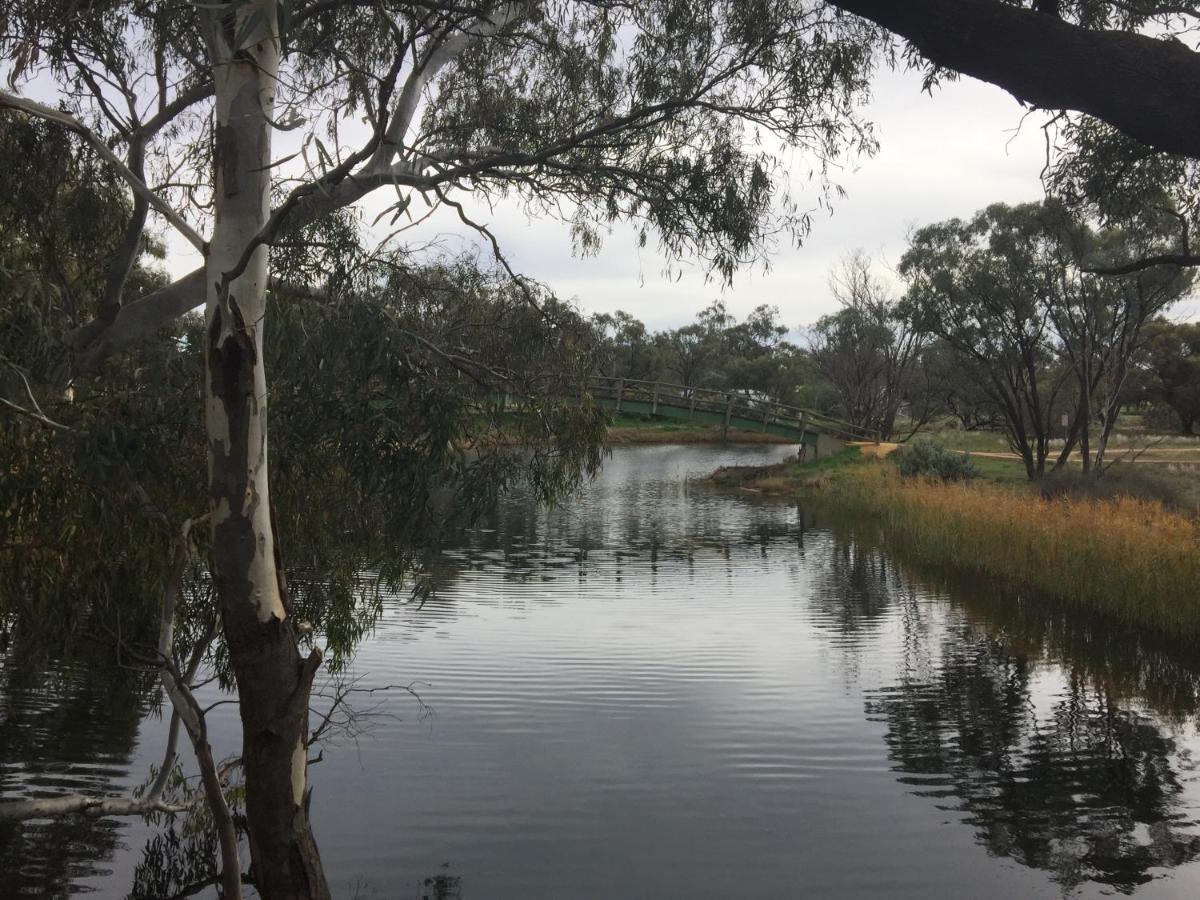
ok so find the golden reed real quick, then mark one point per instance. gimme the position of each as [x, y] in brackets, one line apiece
[1130, 559]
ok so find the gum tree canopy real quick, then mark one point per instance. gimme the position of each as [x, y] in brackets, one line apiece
[248, 126]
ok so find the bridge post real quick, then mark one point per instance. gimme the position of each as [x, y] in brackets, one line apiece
[620, 391]
[654, 400]
[728, 414]
[692, 404]
[766, 415]
[803, 421]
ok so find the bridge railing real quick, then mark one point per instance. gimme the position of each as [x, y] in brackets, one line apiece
[729, 404]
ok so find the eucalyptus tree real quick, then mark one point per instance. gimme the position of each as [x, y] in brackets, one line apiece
[979, 286]
[1099, 320]
[597, 111]
[626, 350]
[1015, 294]
[689, 354]
[954, 390]
[757, 358]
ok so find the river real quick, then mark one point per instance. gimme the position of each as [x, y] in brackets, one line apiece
[655, 690]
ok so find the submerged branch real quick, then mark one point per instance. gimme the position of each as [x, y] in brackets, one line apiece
[71, 804]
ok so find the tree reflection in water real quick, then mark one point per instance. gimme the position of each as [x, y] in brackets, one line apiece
[1050, 762]
[1084, 789]
[1018, 718]
[69, 726]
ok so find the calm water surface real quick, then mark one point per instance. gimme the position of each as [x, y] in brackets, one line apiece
[658, 691]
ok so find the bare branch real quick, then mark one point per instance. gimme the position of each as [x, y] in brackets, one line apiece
[79, 804]
[164, 116]
[36, 413]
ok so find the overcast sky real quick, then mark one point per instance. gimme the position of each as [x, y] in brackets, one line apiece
[941, 156]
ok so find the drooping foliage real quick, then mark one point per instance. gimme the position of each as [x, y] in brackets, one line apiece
[406, 399]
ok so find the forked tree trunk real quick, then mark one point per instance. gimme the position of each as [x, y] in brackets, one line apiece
[273, 679]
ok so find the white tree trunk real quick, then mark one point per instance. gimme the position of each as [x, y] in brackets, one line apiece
[273, 680]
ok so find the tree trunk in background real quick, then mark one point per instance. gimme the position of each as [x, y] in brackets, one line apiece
[1085, 399]
[274, 680]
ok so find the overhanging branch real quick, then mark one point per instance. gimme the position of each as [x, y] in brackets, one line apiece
[1144, 86]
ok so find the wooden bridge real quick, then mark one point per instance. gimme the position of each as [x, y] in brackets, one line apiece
[818, 434]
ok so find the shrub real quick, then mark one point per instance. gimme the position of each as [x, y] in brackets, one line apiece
[926, 458]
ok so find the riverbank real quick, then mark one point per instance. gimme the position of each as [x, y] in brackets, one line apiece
[632, 430]
[1137, 561]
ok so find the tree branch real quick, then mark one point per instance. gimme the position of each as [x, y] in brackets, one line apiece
[1144, 86]
[139, 187]
[432, 61]
[137, 320]
[1179, 260]
[169, 111]
[69, 804]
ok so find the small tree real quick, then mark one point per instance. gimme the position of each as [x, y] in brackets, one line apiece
[688, 353]
[1098, 317]
[625, 349]
[979, 286]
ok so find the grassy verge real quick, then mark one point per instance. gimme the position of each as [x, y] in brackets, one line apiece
[788, 477]
[1134, 561]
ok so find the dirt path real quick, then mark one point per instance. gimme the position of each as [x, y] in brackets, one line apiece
[1152, 455]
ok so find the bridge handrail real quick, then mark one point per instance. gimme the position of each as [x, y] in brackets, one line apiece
[639, 389]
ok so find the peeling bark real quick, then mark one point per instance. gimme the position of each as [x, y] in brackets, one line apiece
[274, 680]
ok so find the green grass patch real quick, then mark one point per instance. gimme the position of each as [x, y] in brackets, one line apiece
[635, 429]
[643, 423]
[971, 441]
[788, 477]
[1001, 471]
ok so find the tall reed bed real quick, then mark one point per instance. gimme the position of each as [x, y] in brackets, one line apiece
[1129, 559]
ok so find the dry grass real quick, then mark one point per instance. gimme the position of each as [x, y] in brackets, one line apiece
[1131, 559]
[778, 484]
[877, 450]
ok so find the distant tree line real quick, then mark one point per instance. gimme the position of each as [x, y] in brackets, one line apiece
[716, 351]
[1023, 319]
